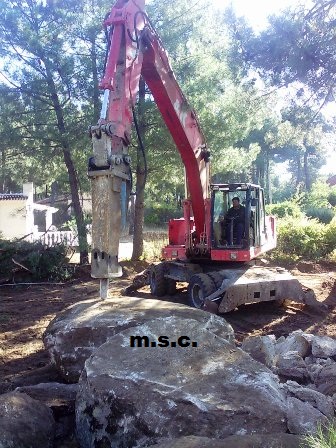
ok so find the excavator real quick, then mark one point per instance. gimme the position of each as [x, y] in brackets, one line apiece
[216, 263]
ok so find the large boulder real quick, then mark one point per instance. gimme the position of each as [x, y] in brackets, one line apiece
[73, 335]
[132, 396]
[25, 422]
[278, 440]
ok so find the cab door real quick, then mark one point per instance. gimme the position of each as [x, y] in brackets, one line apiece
[260, 219]
[263, 235]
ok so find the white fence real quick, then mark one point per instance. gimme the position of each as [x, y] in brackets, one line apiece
[66, 237]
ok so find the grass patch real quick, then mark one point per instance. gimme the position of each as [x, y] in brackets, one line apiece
[325, 436]
[154, 241]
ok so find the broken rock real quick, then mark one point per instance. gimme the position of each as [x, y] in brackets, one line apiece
[261, 348]
[291, 365]
[25, 422]
[57, 396]
[60, 398]
[323, 347]
[74, 334]
[295, 342]
[131, 396]
[319, 401]
[325, 378]
[302, 417]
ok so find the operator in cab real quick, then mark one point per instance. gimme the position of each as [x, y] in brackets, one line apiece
[234, 223]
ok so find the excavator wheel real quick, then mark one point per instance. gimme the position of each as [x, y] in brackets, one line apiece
[157, 281]
[200, 287]
[217, 278]
[171, 286]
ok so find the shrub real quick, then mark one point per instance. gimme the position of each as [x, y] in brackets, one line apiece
[301, 238]
[317, 196]
[21, 259]
[160, 214]
[332, 256]
[330, 235]
[323, 214]
[285, 208]
[332, 197]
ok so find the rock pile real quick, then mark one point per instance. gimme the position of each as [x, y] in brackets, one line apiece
[306, 367]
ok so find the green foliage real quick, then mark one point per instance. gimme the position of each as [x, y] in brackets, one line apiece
[70, 224]
[159, 214]
[284, 209]
[325, 436]
[330, 235]
[315, 203]
[317, 197]
[324, 215]
[332, 197]
[305, 239]
[21, 260]
[294, 51]
[297, 46]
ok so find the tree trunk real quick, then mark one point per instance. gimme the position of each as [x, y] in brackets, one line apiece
[140, 179]
[306, 170]
[254, 173]
[299, 170]
[79, 217]
[260, 169]
[96, 91]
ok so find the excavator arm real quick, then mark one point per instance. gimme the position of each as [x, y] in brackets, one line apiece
[135, 49]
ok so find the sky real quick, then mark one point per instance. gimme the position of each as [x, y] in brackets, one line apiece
[257, 11]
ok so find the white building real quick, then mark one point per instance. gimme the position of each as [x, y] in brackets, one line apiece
[17, 214]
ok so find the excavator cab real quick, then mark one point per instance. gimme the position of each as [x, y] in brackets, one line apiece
[225, 239]
[241, 230]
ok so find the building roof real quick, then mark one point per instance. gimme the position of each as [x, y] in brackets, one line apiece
[42, 207]
[12, 196]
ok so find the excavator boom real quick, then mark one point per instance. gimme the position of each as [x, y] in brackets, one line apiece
[134, 50]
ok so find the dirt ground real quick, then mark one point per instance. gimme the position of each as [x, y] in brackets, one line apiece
[26, 310]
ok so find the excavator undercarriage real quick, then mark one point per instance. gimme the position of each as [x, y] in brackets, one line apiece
[223, 290]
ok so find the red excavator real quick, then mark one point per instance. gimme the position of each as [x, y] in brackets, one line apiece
[207, 248]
